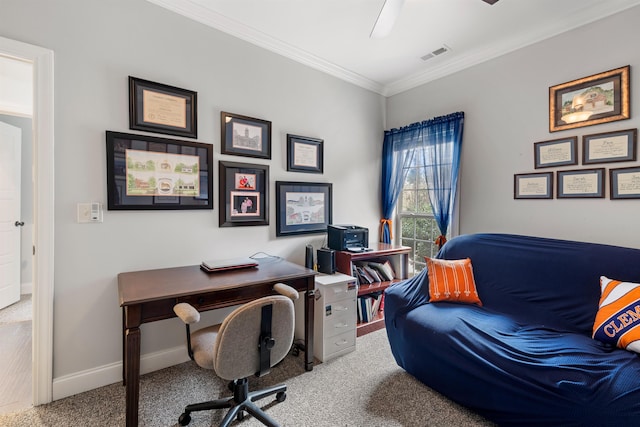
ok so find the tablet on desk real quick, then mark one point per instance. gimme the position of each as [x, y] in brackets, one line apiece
[228, 264]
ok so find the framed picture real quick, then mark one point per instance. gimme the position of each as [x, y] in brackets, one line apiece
[244, 194]
[609, 147]
[155, 107]
[145, 172]
[625, 183]
[592, 100]
[302, 207]
[245, 136]
[557, 152]
[533, 185]
[304, 154]
[580, 184]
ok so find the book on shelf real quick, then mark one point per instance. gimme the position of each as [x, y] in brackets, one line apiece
[368, 306]
[384, 269]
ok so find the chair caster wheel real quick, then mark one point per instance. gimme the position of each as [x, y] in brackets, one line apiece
[184, 419]
[281, 396]
[240, 416]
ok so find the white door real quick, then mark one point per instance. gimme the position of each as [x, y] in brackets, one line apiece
[10, 223]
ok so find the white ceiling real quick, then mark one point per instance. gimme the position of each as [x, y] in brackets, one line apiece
[333, 35]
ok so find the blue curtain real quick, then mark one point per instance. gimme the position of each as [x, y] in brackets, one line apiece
[438, 141]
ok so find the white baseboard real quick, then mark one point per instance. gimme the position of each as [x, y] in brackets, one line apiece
[26, 288]
[82, 381]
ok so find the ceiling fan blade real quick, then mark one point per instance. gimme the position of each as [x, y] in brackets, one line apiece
[490, 1]
[386, 18]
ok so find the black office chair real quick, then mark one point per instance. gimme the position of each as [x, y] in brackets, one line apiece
[250, 341]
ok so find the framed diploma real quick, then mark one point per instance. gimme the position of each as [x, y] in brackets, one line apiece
[145, 172]
[625, 183]
[244, 194]
[304, 154]
[533, 185]
[592, 100]
[557, 152]
[609, 147]
[581, 184]
[302, 207]
[245, 136]
[156, 107]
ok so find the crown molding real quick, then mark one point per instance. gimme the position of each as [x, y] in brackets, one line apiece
[232, 27]
[237, 29]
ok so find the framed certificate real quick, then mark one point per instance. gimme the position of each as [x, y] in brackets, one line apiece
[304, 154]
[581, 184]
[609, 147]
[625, 183]
[533, 185]
[156, 107]
[557, 152]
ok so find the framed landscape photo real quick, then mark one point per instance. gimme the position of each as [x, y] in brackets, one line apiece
[609, 147]
[625, 183]
[533, 185]
[557, 152]
[156, 107]
[600, 98]
[244, 194]
[145, 172]
[245, 136]
[304, 154]
[581, 184]
[302, 207]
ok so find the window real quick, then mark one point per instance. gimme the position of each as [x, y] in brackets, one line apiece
[416, 226]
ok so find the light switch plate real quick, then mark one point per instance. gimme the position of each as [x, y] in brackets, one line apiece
[89, 212]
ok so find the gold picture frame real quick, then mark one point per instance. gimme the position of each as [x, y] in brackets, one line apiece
[592, 100]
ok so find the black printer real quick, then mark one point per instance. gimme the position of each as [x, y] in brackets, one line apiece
[348, 238]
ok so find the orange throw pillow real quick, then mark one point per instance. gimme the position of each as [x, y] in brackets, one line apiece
[618, 318]
[452, 281]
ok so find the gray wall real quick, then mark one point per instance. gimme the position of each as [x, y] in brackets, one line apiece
[26, 199]
[97, 44]
[505, 101]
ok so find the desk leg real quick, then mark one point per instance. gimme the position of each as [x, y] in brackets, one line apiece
[309, 306]
[132, 374]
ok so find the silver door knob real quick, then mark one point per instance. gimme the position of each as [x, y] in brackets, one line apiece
[19, 223]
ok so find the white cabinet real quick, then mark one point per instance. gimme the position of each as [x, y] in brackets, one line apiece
[335, 316]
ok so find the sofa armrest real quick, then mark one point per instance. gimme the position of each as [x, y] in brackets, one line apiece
[404, 296]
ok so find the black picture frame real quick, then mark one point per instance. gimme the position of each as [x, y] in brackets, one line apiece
[592, 100]
[581, 184]
[160, 108]
[556, 152]
[244, 194]
[609, 147]
[152, 173]
[245, 136]
[533, 185]
[305, 154]
[303, 207]
[624, 183]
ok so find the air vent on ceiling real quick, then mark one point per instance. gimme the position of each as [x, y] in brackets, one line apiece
[435, 53]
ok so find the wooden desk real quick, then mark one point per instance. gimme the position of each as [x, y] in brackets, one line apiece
[147, 296]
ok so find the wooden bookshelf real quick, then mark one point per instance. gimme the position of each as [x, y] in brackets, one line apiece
[397, 255]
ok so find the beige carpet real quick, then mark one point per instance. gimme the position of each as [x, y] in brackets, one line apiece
[362, 388]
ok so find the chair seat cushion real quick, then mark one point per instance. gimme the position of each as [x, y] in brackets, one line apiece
[202, 342]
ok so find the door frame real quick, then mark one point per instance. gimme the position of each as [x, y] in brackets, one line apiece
[43, 171]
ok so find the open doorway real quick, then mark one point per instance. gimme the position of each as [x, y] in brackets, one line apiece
[38, 249]
[16, 229]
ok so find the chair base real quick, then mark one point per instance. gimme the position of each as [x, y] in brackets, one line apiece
[240, 402]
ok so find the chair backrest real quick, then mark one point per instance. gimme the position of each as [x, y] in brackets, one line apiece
[235, 352]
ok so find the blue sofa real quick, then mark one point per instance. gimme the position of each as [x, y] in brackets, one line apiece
[526, 357]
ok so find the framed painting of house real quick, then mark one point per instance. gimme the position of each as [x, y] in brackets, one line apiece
[600, 98]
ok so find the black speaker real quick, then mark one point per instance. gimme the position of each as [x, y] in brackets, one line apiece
[326, 260]
[308, 257]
